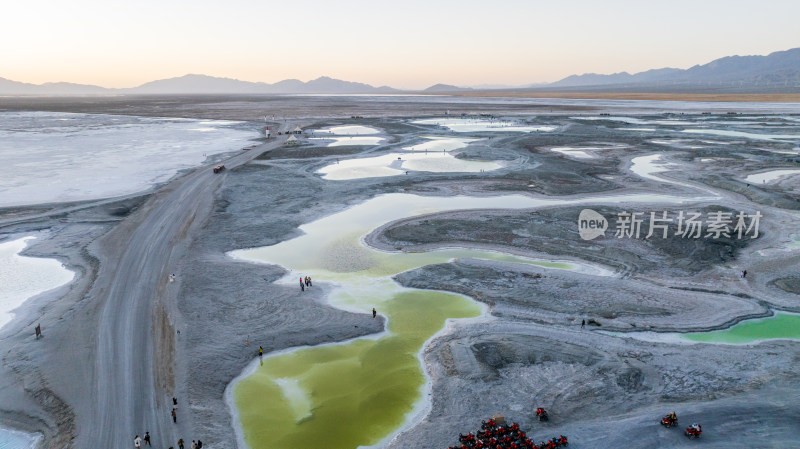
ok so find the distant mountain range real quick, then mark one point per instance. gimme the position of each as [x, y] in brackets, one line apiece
[779, 71]
[197, 84]
[446, 88]
[774, 71]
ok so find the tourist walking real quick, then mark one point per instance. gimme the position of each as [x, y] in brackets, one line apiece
[309, 281]
[374, 312]
[147, 439]
[180, 443]
[302, 285]
[260, 351]
[137, 442]
[174, 416]
[194, 445]
[583, 324]
[174, 401]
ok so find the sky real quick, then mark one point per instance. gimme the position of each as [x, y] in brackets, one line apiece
[410, 44]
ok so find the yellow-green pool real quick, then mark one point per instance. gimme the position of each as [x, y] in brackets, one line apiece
[359, 392]
[347, 395]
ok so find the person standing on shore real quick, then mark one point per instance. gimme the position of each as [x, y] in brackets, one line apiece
[194, 445]
[302, 285]
[260, 351]
[174, 416]
[180, 443]
[147, 439]
[583, 324]
[137, 442]
[374, 312]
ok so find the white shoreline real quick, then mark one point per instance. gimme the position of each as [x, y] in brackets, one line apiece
[32, 276]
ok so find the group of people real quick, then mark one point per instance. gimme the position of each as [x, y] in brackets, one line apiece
[500, 436]
[305, 282]
[137, 442]
[174, 409]
[671, 420]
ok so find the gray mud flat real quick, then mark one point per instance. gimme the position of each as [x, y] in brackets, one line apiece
[122, 339]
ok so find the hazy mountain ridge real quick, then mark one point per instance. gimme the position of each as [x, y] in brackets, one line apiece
[446, 88]
[781, 67]
[595, 79]
[197, 84]
[778, 70]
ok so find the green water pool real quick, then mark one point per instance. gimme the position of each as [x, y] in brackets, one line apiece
[356, 393]
[782, 325]
[359, 392]
[346, 395]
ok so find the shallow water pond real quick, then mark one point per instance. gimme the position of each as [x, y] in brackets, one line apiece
[577, 152]
[10, 439]
[782, 325]
[343, 141]
[23, 277]
[742, 134]
[351, 394]
[361, 391]
[347, 130]
[769, 176]
[429, 156]
[394, 164]
[441, 144]
[467, 125]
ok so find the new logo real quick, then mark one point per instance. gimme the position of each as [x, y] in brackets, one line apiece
[591, 224]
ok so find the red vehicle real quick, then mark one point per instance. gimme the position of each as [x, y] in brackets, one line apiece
[542, 414]
[694, 431]
[219, 168]
[670, 420]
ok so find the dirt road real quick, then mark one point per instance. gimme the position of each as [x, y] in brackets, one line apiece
[128, 396]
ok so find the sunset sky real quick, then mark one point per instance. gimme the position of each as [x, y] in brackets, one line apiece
[409, 44]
